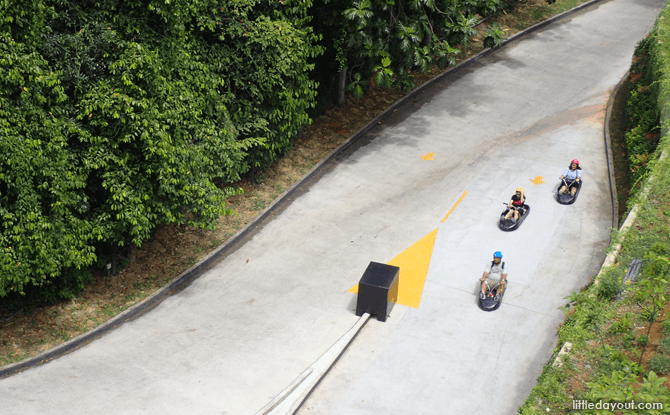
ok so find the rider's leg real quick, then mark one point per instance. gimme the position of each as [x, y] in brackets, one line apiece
[501, 288]
[494, 286]
[499, 291]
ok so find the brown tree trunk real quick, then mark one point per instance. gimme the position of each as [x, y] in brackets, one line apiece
[429, 35]
[341, 96]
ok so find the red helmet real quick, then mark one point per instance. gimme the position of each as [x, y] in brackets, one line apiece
[575, 161]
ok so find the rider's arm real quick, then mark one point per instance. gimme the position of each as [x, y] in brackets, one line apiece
[487, 268]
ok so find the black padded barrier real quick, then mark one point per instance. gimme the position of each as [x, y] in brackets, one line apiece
[378, 290]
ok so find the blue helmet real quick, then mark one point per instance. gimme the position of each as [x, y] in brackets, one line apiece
[497, 254]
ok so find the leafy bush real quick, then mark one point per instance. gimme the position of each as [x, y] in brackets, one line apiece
[612, 386]
[643, 112]
[265, 56]
[44, 228]
[609, 283]
[665, 326]
[628, 339]
[623, 325]
[65, 286]
[642, 340]
[360, 35]
[664, 345]
[494, 36]
[652, 286]
[613, 360]
[118, 116]
[660, 248]
[659, 363]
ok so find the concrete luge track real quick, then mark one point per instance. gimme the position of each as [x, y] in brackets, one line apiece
[449, 357]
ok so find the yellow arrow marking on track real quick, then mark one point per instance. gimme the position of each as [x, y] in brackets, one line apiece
[454, 207]
[413, 263]
[537, 180]
[428, 156]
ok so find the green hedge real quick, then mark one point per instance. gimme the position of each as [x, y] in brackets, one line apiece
[119, 115]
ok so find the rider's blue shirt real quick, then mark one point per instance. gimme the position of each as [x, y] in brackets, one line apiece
[572, 175]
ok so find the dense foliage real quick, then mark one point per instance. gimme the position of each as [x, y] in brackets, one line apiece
[120, 115]
[642, 113]
[378, 42]
[117, 116]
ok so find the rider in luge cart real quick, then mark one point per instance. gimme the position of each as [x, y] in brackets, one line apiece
[494, 277]
[516, 204]
[572, 177]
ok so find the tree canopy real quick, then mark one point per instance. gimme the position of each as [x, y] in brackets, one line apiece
[120, 115]
[117, 116]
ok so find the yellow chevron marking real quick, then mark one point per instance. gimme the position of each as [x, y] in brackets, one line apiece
[413, 263]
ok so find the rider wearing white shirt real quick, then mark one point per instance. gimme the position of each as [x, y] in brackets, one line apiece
[494, 275]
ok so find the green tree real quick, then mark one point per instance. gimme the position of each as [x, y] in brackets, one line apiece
[42, 229]
[378, 42]
[113, 120]
[266, 54]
